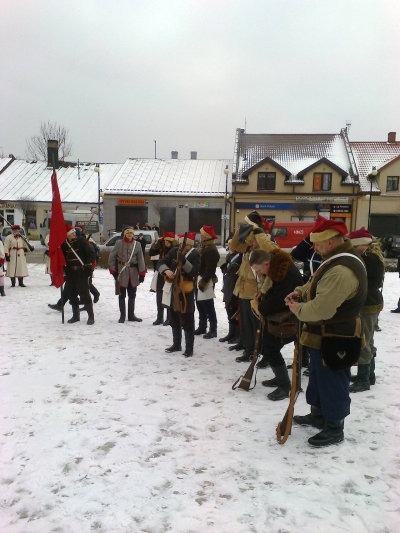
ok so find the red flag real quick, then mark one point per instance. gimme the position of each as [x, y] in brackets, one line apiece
[58, 234]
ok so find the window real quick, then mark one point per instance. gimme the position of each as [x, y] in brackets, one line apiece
[31, 219]
[266, 181]
[392, 183]
[279, 232]
[322, 182]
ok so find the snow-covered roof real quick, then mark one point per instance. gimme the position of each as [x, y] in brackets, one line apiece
[77, 184]
[4, 161]
[373, 154]
[294, 152]
[166, 177]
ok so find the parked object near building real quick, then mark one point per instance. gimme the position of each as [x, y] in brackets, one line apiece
[390, 245]
[149, 236]
[7, 231]
[289, 234]
[79, 217]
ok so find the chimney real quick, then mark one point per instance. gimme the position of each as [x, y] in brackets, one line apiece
[174, 155]
[392, 137]
[193, 155]
[52, 153]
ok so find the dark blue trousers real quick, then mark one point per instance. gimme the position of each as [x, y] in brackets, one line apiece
[327, 390]
[206, 309]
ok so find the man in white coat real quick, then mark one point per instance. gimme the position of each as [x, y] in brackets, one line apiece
[16, 249]
[2, 259]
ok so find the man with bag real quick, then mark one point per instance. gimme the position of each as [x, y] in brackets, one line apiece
[187, 259]
[157, 251]
[206, 282]
[126, 264]
[281, 276]
[329, 305]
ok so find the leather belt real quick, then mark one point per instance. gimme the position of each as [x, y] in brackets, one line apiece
[75, 267]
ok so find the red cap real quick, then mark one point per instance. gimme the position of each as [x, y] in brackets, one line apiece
[326, 229]
[360, 237]
[168, 236]
[15, 227]
[208, 232]
[190, 237]
[69, 228]
[266, 224]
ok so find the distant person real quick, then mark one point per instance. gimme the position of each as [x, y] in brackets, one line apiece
[2, 259]
[398, 303]
[15, 249]
[137, 226]
[142, 242]
[146, 226]
[47, 258]
[154, 227]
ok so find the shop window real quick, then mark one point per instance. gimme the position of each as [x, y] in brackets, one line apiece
[266, 181]
[322, 181]
[31, 219]
[392, 183]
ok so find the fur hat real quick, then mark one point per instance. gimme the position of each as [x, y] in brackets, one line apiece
[70, 229]
[15, 226]
[190, 238]
[326, 229]
[254, 218]
[169, 236]
[360, 237]
[208, 232]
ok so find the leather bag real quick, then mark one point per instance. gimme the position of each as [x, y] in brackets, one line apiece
[282, 324]
[340, 352]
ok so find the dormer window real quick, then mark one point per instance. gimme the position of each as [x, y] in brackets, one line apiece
[322, 181]
[266, 181]
[392, 183]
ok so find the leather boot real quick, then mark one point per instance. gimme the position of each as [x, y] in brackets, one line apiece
[21, 282]
[160, 318]
[122, 309]
[212, 332]
[270, 383]
[89, 309]
[131, 311]
[314, 419]
[57, 307]
[361, 383]
[75, 314]
[331, 434]
[177, 341]
[2, 291]
[12, 282]
[282, 377]
[231, 333]
[202, 328]
[244, 358]
[189, 340]
[237, 336]
[372, 378]
[237, 347]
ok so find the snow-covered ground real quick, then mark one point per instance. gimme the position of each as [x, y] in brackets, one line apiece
[102, 431]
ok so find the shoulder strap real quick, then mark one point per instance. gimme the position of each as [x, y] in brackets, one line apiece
[340, 255]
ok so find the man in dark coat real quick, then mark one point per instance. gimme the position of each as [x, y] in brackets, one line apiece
[207, 280]
[190, 260]
[281, 276]
[80, 258]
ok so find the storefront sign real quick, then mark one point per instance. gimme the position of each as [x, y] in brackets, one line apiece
[281, 206]
[339, 199]
[338, 208]
[131, 201]
[7, 205]
[201, 204]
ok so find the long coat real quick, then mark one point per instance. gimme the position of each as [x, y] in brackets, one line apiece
[120, 256]
[16, 248]
[2, 258]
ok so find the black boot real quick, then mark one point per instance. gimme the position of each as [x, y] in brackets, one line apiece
[189, 340]
[237, 347]
[96, 294]
[231, 333]
[89, 309]
[160, 318]
[314, 419]
[244, 358]
[361, 384]
[331, 434]
[270, 383]
[75, 314]
[122, 309]
[177, 341]
[21, 282]
[2, 293]
[393, 311]
[282, 377]
[51, 281]
[166, 322]
[212, 332]
[372, 378]
[237, 336]
[12, 282]
[57, 307]
[202, 328]
[131, 311]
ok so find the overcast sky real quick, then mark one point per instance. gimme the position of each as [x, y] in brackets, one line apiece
[120, 74]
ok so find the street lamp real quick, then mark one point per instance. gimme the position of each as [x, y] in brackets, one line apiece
[97, 169]
[226, 172]
[371, 177]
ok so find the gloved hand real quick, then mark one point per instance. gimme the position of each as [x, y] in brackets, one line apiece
[182, 259]
[257, 231]
[88, 270]
[115, 275]
[2, 261]
[7, 258]
[141, 279]
[244, 232]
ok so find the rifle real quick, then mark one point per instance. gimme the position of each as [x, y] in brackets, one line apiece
[284, 428]
[179, 303]
[31, 248]
[245, 381]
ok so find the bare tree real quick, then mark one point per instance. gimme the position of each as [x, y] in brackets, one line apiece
[301, 211]
[36, 146]
[26, 205]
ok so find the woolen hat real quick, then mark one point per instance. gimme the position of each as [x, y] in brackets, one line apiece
[169, 236]
[125, 227]
[208, 232]
[15, 227]
[360, 237]
[326, 229]
[190, 238]
[254, 218]
[70, 229]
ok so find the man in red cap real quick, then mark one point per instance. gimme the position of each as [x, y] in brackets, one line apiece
[15, 249]
[333, 298]
[189, 258]
[371, 254]
[80, 258]
[157, 251]
[206, 282]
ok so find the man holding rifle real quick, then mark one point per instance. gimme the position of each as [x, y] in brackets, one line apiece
[181, 263]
